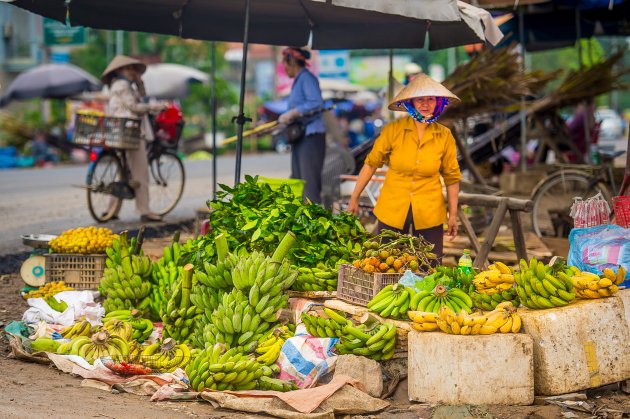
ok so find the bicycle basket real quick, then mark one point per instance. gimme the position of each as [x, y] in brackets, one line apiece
[106, 131]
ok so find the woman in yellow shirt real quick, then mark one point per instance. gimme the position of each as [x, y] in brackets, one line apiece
[417, 151]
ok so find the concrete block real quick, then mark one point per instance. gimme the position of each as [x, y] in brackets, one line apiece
[489, 369]
[624, 296]
[362, 369]
[583, 345]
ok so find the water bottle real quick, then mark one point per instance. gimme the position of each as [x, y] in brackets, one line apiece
[464, 265]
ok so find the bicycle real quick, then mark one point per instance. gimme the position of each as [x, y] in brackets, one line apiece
[108, 180]
[554, 195]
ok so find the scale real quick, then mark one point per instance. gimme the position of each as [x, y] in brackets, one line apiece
[33, 270]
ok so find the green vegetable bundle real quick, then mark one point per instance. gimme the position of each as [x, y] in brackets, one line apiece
[256, 217]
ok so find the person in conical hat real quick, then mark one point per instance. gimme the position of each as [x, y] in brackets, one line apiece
[123, 75]
[419, 154]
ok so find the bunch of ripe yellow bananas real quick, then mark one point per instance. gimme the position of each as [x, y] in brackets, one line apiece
[166, 355]
[270, 346]
[498, 278]
[502, 319]
[589, 285]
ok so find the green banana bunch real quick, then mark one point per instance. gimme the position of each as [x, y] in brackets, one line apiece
[377, 343]
[44, 344]
[127, 284]
[141, 327]
[275, 384]
[540, 286]
[164, 274]
[219, 369]
[331, 327]
[392, 301]
[489, 302]
[166, 355]
[320, 278]
[250, 309]
[431, 301]
[181, 316]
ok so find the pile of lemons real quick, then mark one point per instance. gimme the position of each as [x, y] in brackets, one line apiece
[83, 240]
[48, 290]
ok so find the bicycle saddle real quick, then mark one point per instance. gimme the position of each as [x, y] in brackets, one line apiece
[610, 156]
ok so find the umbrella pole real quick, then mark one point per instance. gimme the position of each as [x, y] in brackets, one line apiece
[390, 82]
[213, 104]
[241, 119]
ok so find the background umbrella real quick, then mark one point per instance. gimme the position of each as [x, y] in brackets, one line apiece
[171, 81]
[50, 81]
[331, 24]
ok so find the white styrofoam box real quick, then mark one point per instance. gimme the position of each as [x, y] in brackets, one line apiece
[579, 346]
[480, 369]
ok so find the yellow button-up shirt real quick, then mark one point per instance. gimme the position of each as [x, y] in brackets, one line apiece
[413, 177]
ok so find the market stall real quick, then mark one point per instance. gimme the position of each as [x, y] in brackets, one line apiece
[283, 300]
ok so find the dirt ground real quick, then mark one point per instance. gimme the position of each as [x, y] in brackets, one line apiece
[35, 391]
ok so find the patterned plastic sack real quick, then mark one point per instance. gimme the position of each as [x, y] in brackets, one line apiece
[597, 248]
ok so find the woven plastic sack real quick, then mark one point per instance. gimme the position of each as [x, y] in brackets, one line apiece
[597, 248]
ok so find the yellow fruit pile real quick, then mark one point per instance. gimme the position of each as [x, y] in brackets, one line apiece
[588, 285]
[48, 290]
[503, 319]
[496, 279]
[83, 240]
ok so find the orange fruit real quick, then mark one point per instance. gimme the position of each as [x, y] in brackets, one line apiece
[398, 263]
[383, 267]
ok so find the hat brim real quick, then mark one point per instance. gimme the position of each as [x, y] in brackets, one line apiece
[421, 86]
[120, 62]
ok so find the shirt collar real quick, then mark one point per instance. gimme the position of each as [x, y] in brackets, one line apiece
[409, 124]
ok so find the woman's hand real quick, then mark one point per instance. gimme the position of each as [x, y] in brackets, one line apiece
[452, 226]
[353, 206]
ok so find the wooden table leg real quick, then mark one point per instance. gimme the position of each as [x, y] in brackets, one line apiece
[482, 256]
[519, 237]
[474, 241]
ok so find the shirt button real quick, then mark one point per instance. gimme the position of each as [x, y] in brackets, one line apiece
[417, 161]
[411, 194]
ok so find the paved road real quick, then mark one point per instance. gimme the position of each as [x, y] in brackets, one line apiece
[44, 201]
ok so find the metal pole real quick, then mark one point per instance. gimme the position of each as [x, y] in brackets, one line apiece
[241, 119]
[213, 104]
[521, 31]
[390, 82]
[120, 48]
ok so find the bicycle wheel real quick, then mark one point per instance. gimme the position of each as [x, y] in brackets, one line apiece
[553, 199]
[166, 183]
[105, 171]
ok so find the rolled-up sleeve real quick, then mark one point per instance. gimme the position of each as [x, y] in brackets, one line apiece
[382, 148]
[449, 168]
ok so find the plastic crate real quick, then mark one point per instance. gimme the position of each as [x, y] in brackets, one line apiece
[359, 287]
[81, 272]
[296, 185]
[621, 206]
[106, 131]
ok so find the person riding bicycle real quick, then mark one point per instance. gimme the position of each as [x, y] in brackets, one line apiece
[126, 92]
[418, 151]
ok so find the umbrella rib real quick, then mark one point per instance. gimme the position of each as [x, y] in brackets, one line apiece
[311, 24]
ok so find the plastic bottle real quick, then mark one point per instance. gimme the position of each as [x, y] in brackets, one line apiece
[464, 265]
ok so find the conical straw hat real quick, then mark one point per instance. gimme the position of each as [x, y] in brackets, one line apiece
[421, 85]
[119, 62]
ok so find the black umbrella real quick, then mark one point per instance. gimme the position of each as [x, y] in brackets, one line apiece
[329, 24]
[556, 25]
[50, 81]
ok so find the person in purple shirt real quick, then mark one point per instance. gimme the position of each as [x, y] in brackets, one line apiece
[307, 159]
